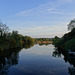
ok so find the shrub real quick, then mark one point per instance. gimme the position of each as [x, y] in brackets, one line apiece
[70, 45]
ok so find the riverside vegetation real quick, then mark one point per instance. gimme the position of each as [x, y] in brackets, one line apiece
[11, 53]
[67, 41]
[12, 40]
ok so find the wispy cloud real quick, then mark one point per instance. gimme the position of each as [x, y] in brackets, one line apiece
[45, 31]
[44, 9]
[50, 9]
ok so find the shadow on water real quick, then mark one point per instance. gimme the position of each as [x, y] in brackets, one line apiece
[10, 58]
[67, 58]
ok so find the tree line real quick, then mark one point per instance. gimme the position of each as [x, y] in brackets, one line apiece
[67, 41]
[12, 39]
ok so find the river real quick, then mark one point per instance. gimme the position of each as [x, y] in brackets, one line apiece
[37, 60]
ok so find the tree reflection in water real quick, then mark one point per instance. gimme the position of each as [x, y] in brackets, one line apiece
[28, 45]
[67, 58]
[56, 53]
[9, 58]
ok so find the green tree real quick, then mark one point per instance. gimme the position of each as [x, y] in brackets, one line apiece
[70, 45]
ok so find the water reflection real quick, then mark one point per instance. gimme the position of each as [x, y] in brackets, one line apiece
[67, 58]
[71, 70]
[56, 53]
[44, 44]
[28, 45]
[35, 61]
[10, 58]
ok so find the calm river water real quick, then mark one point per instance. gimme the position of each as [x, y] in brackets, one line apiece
[37, 60]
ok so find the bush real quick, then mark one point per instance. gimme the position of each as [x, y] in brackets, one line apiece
[70, 45]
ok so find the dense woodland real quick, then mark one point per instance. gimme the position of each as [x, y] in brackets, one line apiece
[10, 40]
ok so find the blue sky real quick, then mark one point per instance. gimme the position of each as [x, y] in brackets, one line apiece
[38, 18]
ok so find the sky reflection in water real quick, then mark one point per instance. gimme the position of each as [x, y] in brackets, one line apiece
[38, 60]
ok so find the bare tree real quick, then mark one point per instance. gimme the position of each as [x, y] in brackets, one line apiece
[3, 29]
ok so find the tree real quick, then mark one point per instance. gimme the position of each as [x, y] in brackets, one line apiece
[70, 45]
[3, 29]
[71, 25]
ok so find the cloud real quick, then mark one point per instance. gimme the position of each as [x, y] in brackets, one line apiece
[44, 9]
[50, 9]
[45, 31]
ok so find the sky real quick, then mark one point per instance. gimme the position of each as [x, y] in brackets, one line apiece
[38, 18]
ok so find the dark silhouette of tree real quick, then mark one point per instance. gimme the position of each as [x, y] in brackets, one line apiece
[71, 25]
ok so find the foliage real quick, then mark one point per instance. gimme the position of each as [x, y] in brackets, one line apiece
[55, 39]
[70, 45]
[71, 24]
[3, 29]
[67, 41]
[12, 39]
